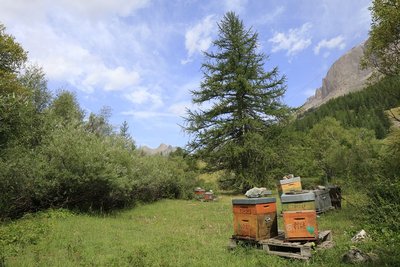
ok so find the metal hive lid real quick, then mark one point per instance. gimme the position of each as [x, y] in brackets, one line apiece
[253, 201]
[298, 197]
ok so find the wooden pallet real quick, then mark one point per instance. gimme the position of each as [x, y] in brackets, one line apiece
[280, 247]
[297, 250]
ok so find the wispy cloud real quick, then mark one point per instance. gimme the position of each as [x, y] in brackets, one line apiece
[147, 114]
[142, 96]
[75, 45]
[117, 79]
[271, 16]
[294, 41]
[199, 37]
[93, 10]
[101, 8]
[179, 109]
[334, 43]
[235, 5]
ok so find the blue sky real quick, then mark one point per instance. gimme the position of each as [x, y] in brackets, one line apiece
[141, 57]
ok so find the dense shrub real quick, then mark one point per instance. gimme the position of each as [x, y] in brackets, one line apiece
[383, 209]
[77, 169]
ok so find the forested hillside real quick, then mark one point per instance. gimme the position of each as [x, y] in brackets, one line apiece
[364, 109]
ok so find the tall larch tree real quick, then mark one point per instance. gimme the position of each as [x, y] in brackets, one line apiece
[238, 105]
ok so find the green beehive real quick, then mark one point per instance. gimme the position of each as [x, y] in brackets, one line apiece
[303, 200]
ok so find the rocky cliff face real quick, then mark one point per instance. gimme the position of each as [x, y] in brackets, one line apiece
[343, 77]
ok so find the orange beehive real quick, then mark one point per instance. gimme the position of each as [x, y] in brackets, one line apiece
[300, 225]
[255, 218]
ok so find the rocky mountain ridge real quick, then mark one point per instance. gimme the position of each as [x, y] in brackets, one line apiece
[343, 77]
[163, 149]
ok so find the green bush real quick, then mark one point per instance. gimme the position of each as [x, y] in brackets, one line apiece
[382, 211]
[21, 170]
[79, 170]
[161, 177]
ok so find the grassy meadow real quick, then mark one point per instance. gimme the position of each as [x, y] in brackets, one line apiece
[164, 233]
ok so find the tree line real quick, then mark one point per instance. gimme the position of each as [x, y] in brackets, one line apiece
[364, 109]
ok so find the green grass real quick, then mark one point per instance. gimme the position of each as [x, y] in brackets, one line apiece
[165, 233]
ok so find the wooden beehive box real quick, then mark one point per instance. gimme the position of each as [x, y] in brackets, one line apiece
[300, 225]
[255, 218]
[303, 200]
[289, 185]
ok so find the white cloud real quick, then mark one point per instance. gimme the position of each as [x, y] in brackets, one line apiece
[235, 5]
[66, 59]
[198, 38]
[294, 41]
[101, 8]
[147, 114]
[110, 79]
[336, 42]
[81, 42]
[142, 96]
[34, 11]
[179, 109]
[186, 61]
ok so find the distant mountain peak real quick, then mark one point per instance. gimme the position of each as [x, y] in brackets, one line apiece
[162, 149]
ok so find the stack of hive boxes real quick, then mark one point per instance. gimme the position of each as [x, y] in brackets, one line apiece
[299, 216]
[298, 208]
[255, 218]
